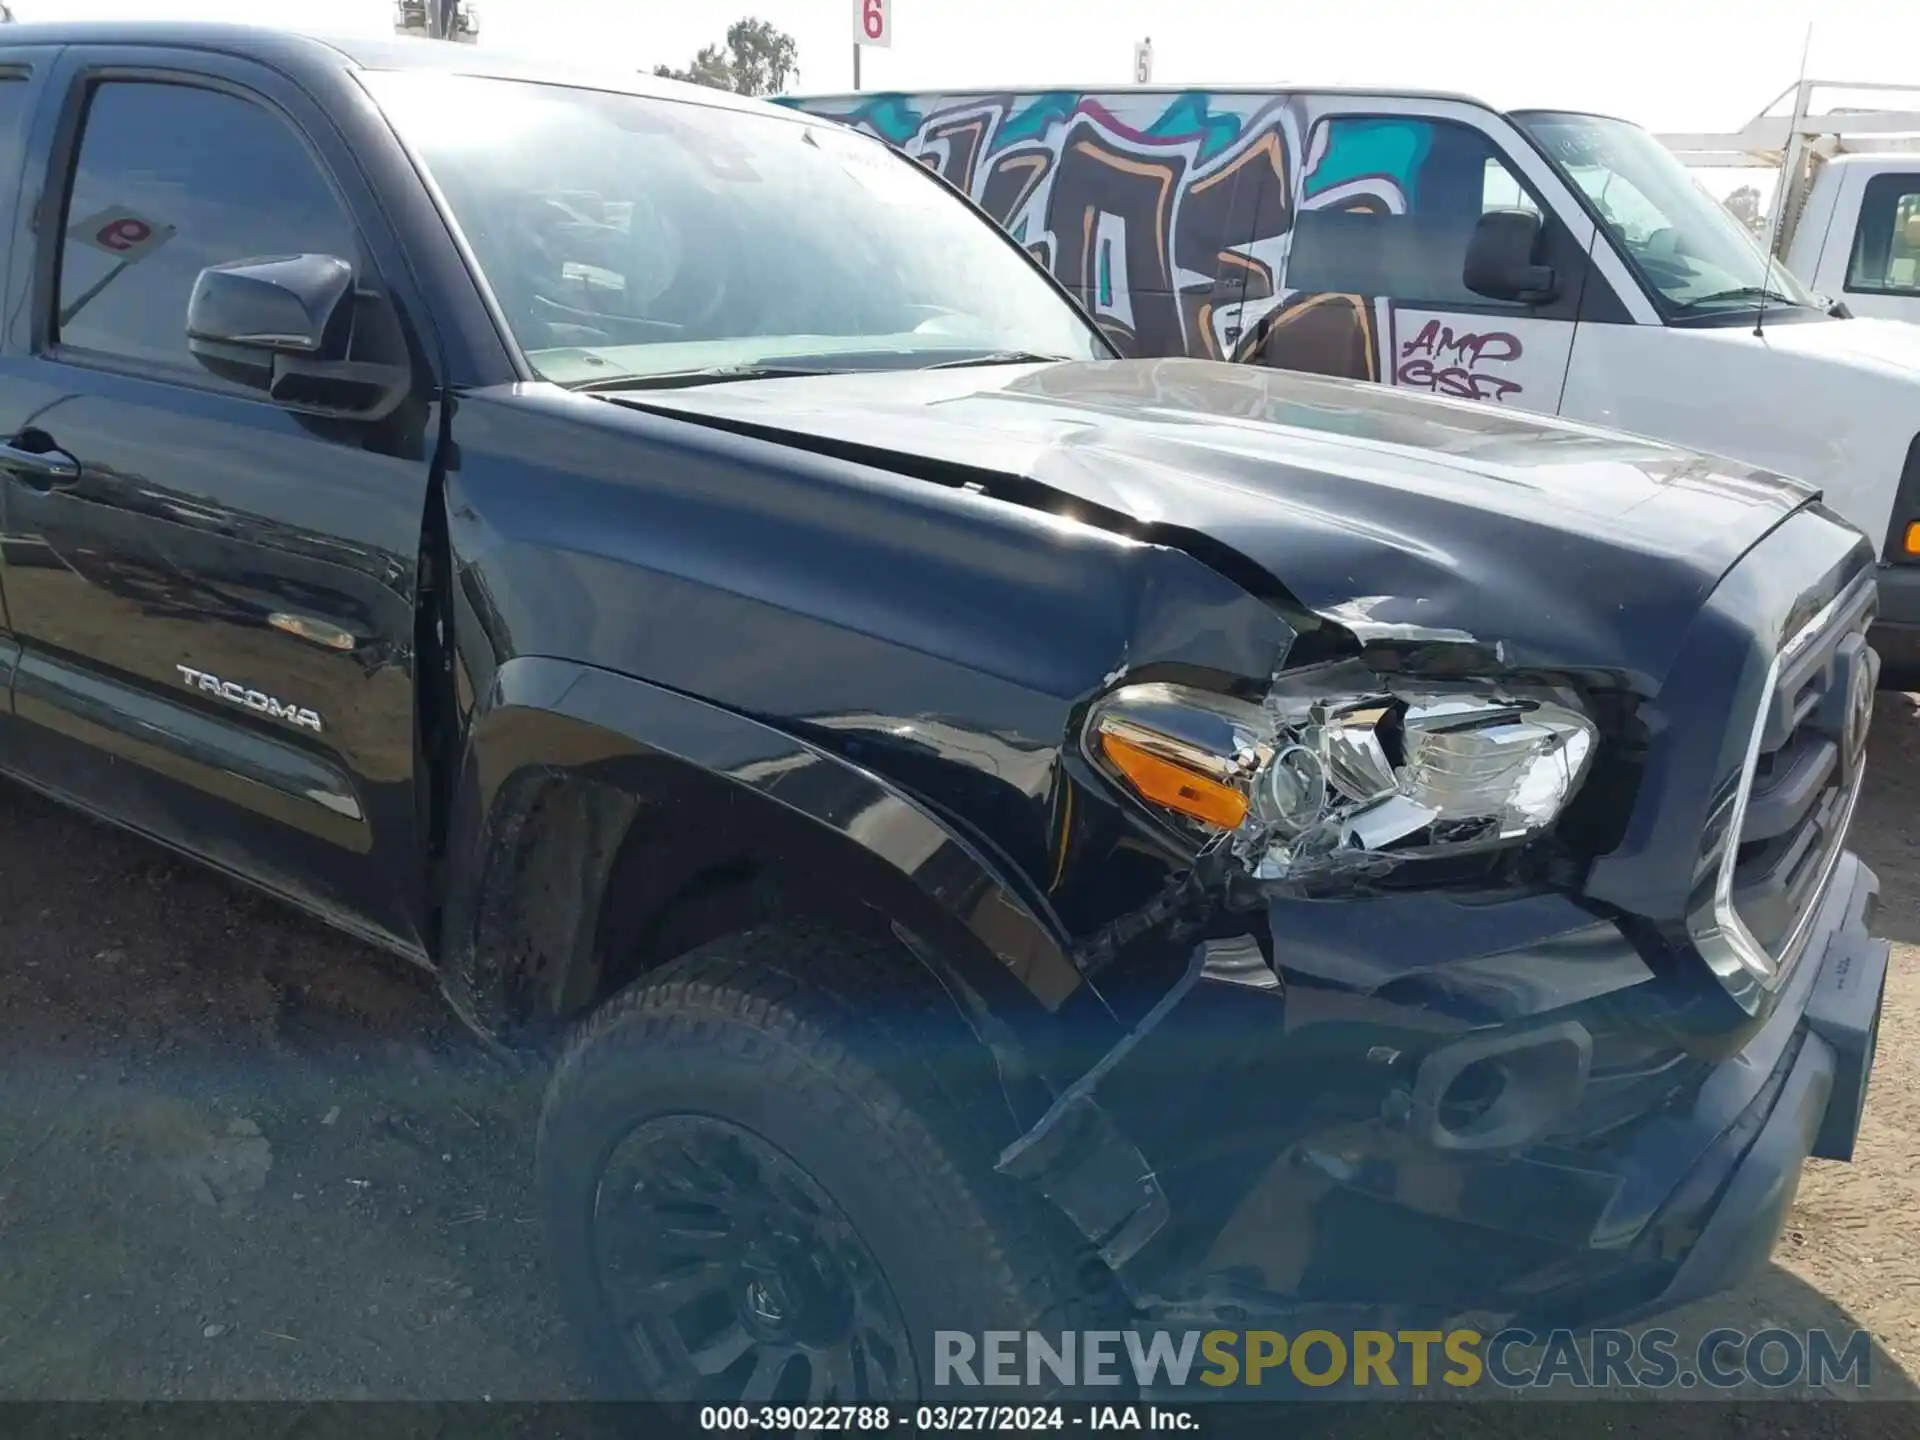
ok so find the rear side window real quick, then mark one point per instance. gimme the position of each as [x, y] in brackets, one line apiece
[1886, 247]
[169, 180]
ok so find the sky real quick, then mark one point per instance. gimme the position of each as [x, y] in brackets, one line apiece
[1688, 65]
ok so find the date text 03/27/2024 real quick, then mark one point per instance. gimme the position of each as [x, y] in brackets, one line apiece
[944, 1419]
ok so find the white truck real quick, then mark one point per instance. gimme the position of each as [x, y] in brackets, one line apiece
[1846, 185]
[1544, 260]
[454, 20]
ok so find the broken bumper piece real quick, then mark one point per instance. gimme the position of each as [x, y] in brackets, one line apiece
[1497, 1131]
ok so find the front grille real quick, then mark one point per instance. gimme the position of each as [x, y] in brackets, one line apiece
[1798, 791]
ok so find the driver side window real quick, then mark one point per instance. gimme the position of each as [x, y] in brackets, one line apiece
[170, 179]
[1390, 205]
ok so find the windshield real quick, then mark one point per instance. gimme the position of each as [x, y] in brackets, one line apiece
[627, 237]
[1684, 243]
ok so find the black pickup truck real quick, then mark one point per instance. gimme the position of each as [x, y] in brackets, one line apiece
[988, 835]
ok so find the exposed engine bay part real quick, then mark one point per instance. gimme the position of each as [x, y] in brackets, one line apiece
[1085, 1164]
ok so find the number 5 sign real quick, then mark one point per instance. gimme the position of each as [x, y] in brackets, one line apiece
[873, 22]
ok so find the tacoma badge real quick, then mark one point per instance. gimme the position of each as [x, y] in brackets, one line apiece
[252, 699]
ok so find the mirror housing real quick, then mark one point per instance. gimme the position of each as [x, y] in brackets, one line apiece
[1500, 260]
[286, 324]
[284, 304]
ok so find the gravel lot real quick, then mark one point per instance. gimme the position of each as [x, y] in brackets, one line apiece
[243, 1157]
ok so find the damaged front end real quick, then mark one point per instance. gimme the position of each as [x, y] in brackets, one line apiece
[1448, 844]
[1449, 1034]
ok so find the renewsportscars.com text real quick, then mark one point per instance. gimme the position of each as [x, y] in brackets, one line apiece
[1512, 1359]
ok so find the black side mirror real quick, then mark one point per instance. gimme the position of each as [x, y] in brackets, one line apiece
[1500, 259]
[285, 324]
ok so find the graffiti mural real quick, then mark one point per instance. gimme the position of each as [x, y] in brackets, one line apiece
[1319, 332]
[1172, 218]
[1351, 172]
[1156, 222]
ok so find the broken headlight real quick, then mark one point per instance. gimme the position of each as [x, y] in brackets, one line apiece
[1340, 769]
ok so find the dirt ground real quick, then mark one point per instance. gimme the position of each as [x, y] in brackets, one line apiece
[1854, 1236]
[244, 1157]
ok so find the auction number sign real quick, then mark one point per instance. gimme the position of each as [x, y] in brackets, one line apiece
[121, 233]
[873, 22]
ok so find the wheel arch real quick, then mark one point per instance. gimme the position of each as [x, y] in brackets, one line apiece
[595, 816]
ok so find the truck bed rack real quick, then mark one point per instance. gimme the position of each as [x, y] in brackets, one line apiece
[1800, 142]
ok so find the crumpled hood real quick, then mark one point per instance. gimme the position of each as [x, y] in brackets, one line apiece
[1398, 515]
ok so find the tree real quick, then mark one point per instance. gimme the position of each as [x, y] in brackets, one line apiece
[755, 59]
[1744, 205]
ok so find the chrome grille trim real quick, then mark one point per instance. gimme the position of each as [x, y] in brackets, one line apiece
[1723, 937]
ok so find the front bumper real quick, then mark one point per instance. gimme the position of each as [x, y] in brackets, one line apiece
[1284, 1127]
[1810, 1106]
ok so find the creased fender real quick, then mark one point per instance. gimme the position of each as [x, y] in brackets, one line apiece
[815, 816]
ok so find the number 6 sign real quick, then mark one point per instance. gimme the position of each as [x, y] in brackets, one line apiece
[873, 22]
[121, 233]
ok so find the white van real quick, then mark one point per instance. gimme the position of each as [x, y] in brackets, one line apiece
[1847, 187]
[1552, 261]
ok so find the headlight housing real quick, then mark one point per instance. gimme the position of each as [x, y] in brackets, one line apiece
[1340, 769]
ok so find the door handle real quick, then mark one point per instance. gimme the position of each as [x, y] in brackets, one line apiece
[34, 457]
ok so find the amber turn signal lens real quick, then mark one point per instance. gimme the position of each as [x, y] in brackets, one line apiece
[1175, 786]
[1911, 543]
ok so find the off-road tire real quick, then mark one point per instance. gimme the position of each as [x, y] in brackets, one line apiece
[842, 1054]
